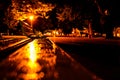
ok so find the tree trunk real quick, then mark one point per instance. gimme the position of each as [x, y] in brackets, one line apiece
[89, 30]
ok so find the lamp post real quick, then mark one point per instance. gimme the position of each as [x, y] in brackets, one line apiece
[31, 19]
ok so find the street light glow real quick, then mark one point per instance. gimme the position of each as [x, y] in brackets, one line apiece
[31, 17]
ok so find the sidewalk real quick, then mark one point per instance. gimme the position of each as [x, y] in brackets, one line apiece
[7, 46]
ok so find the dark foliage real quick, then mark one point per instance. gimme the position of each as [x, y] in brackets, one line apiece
[42, 24]
[53, 17]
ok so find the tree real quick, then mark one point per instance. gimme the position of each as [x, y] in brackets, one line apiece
[42, 24]
[20, 10]
[65, 18]
[4, 4]
[110, 15]
[53, 17]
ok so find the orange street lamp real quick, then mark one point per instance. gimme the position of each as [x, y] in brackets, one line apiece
[31, 18]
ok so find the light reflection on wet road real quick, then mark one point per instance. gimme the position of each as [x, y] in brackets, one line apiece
[42, 60]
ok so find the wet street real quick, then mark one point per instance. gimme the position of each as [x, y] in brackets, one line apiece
[42, 60]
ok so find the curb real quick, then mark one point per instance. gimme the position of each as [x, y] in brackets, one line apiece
[15, 46]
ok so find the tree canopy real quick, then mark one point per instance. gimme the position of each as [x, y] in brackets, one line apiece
[68, 13]
[22, 9]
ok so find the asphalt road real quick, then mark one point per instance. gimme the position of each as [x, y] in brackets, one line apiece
[98, 55]
[42, 60]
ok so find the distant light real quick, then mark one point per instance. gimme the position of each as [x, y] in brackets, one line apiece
[118, 34]
[23, 1]
[106, 12]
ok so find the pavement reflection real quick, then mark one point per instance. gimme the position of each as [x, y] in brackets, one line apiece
[31, 67]
[42, 60]
[32, 62]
